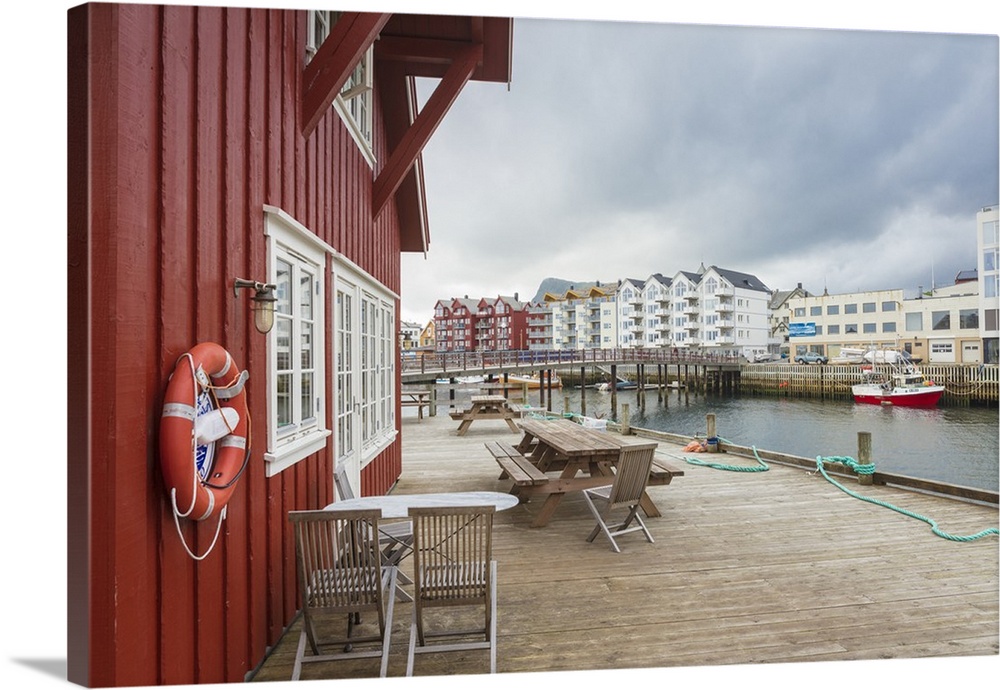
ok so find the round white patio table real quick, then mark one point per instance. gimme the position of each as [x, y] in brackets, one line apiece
[397, 505]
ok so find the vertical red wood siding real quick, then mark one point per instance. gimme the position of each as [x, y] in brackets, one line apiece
[184, 123]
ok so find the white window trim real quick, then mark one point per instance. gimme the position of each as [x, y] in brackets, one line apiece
[285, 233]
[363, 90]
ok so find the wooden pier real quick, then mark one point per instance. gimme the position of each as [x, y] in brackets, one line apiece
[747, 568]
[964, 384]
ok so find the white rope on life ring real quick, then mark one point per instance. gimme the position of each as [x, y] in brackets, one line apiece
[206, 369]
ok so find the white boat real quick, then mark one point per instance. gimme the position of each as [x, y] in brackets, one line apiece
[461, 379]
[622, 385]
[849, 355]
[902, 385]
[531, 381]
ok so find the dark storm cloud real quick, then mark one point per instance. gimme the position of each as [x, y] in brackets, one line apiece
[624, 149]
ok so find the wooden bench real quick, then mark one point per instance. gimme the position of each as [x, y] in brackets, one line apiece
[418, 399]
[514, 465]
[662, 472]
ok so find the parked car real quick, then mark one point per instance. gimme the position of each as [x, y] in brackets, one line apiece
[810, 358]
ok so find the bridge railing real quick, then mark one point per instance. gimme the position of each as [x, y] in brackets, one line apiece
[527, 359]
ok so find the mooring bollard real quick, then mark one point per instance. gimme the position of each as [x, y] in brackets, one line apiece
[626, 429]
[710, 437]
[864, 455]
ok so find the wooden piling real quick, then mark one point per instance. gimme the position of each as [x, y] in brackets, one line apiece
[711, 438]
[864, 456]
[626, 427]
[614, 391]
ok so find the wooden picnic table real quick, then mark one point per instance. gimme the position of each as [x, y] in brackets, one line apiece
[418, 398]
[584, 458]
[486, 407]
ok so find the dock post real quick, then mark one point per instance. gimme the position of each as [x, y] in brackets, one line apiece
[711, 439]
[583, 390]
[548, 382]
[434, 401]
[614, 390]
[626, 427]
[565, 404]
[864, 455]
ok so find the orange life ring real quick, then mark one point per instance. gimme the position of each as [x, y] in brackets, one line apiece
[200, 475]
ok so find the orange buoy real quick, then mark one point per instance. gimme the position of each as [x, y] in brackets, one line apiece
[203, 432]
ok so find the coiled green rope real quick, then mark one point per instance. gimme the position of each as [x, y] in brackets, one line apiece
[760, 467]
[870, 469]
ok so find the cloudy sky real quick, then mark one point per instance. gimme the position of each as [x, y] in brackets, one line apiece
[843, 159]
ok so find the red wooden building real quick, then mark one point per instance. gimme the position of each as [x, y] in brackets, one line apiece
[208, 144]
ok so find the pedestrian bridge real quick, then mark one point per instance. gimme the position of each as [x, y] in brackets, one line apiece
[424, 367]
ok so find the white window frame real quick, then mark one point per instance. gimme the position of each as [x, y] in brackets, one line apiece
[354, 102]
[291, 241]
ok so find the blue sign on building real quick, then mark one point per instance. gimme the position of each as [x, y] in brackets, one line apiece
[801, 329]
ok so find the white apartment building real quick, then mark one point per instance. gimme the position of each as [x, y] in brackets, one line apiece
[720, 311]
[941, 326]
[988, 265]
[540, 326]
[580, 319]
[714, 310]
[657, 302]
[631, 313]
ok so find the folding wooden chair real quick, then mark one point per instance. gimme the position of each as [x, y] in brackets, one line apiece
[395, 538]
[453, 566]
[627, 488]
[341, 572]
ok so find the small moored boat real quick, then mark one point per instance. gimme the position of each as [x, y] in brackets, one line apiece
[532, 381]
[621, 385]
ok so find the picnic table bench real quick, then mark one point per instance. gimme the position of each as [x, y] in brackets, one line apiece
[486, 407]
[418, 399]
[514, 465]
[530, 476]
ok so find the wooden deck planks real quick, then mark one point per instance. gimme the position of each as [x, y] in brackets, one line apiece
[776, 566]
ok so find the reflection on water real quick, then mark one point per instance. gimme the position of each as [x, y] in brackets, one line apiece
[958, 445]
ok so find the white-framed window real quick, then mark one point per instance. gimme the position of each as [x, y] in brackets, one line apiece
[296, 347]
[354, 102]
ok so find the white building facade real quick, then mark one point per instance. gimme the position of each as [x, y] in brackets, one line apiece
[941, 326]
[988, 245]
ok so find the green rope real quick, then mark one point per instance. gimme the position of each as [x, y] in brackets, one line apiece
[760, 467]
[870, 469]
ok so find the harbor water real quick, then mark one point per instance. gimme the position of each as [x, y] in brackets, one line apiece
[956, 445]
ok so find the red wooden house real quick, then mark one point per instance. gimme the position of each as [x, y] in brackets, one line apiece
[209, 144]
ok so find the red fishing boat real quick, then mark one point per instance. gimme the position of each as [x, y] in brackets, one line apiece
[900, 384]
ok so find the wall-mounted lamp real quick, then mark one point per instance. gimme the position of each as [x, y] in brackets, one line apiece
[263, 302]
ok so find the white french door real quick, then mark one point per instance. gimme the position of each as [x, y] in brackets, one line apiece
[346, 405]
[364, 365]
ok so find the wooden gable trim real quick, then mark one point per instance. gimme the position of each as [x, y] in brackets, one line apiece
[327, 72]
[424, 125]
